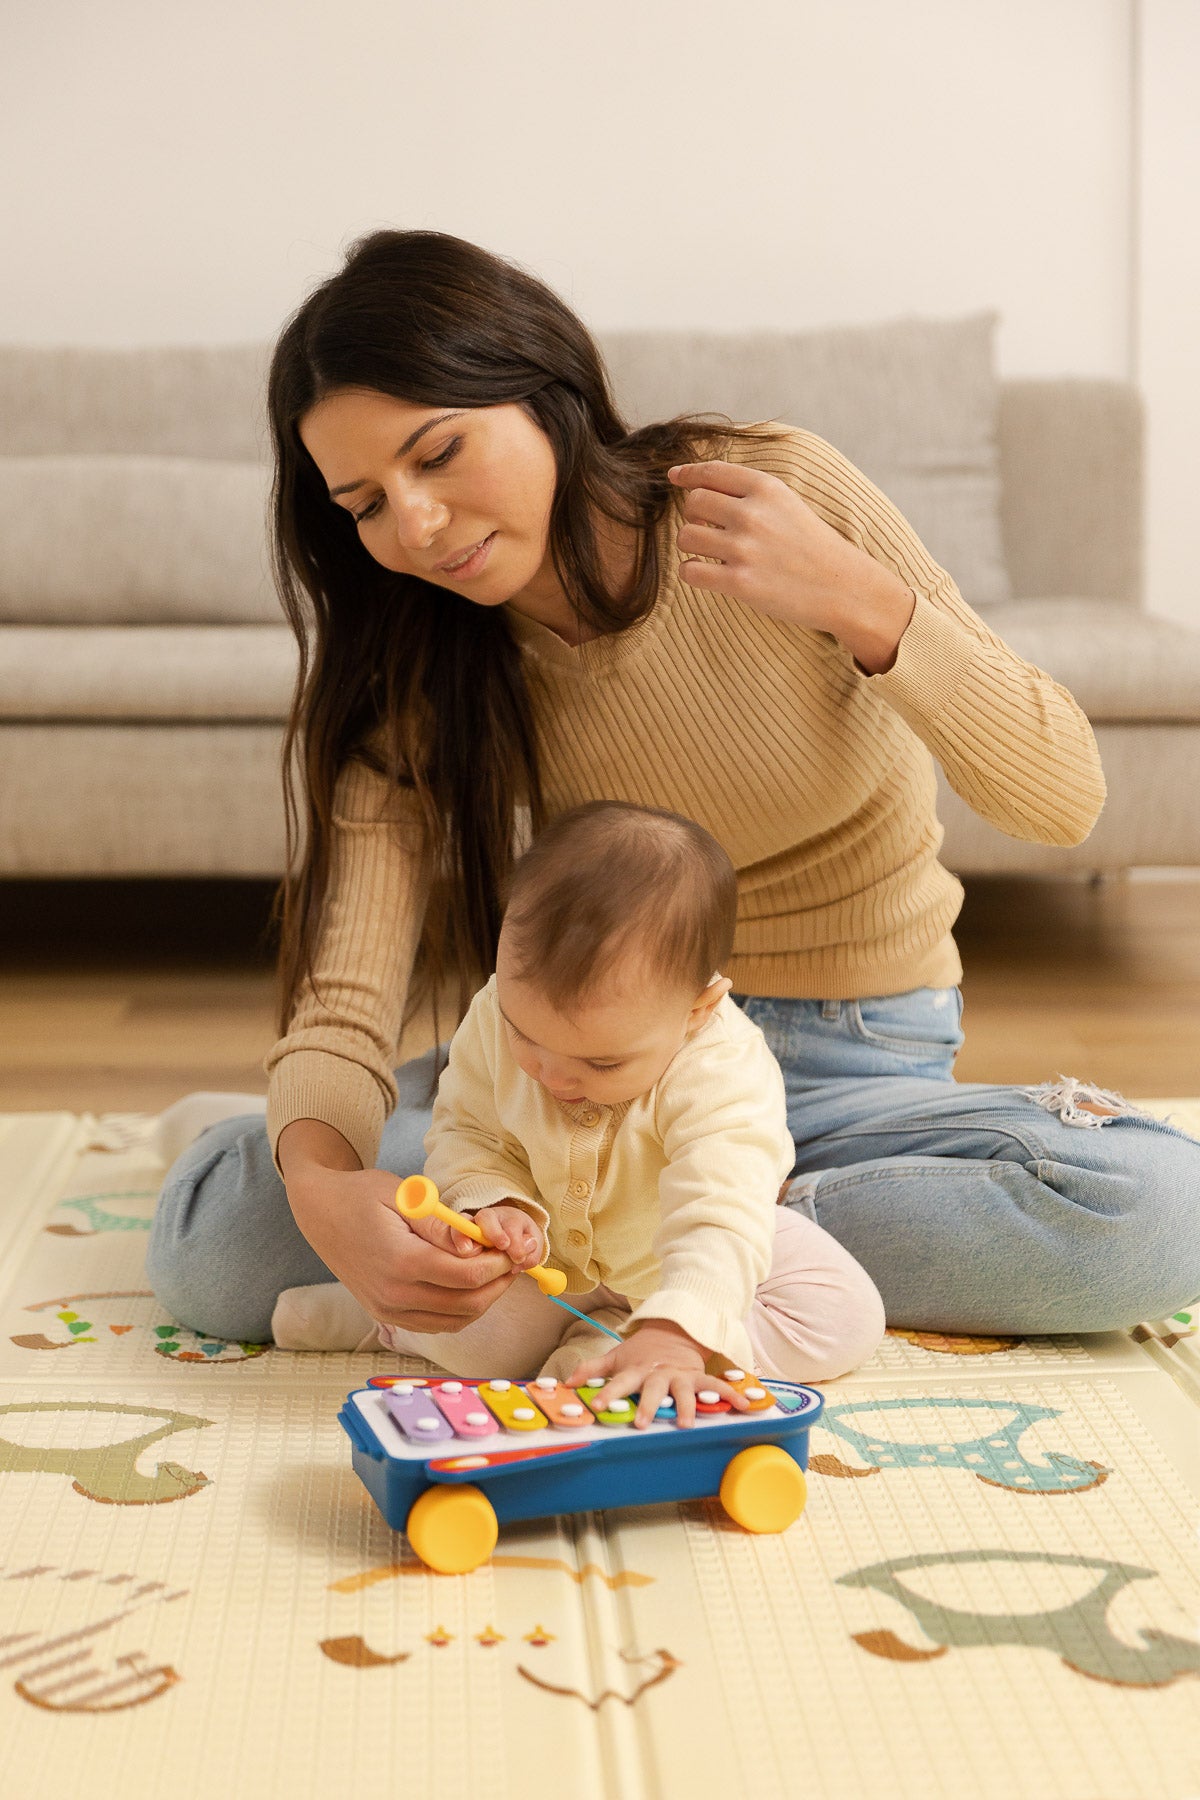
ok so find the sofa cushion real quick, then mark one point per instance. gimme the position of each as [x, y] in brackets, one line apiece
[202, 400]
[914, 403]
[1122, 666]
[125, 539]
[146, 672]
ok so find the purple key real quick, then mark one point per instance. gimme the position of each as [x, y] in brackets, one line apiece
[416, 1415]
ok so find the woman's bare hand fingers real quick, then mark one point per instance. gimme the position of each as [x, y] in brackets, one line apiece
[735, 480]
[706, 540]
[440, 1308]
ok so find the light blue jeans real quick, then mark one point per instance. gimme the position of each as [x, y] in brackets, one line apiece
[972, 1208]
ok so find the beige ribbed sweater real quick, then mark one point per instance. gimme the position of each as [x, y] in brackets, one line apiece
[817, 779]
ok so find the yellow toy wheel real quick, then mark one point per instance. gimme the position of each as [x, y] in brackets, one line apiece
[763, 1489]
[452, 1529]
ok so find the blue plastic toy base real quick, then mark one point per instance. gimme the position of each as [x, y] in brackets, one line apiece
[608, 1467]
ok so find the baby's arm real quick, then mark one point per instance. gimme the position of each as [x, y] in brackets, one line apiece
[721, 1111]
[480, 1168]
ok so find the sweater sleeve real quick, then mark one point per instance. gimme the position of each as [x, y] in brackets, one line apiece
[334, 1063]
[1012, 742]
[468, 1151]
[473, 1159]
[722, 1113]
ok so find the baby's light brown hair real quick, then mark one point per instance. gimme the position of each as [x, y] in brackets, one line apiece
[608, 879]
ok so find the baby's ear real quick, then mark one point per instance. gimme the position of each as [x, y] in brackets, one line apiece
[712, 996]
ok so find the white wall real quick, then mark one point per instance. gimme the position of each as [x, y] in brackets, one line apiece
[1167, 260]
[187, 171]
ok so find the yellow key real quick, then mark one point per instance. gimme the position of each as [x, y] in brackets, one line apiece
[508, 1402]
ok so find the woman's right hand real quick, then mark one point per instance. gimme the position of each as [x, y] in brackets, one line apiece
[349, 1217]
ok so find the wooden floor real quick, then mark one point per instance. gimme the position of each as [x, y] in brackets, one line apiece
[121, 996]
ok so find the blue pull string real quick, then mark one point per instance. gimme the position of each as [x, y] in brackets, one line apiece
[587, 1319]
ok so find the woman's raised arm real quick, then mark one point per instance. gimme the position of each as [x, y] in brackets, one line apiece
[813, 543]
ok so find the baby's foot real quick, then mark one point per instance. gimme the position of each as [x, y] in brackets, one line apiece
[325, 1316]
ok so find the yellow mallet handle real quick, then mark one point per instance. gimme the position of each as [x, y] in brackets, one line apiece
[417, 1198]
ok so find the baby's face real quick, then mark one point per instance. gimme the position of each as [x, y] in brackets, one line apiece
[611, 1049]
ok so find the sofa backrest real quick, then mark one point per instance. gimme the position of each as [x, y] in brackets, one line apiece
[133, 483]
[913, 404]
[171, 400]
[1071, 488]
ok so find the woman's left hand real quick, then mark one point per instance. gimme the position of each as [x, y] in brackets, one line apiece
[657, 1360]
[779, 558]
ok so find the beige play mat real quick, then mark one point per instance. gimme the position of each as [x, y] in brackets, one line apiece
[994, 1590]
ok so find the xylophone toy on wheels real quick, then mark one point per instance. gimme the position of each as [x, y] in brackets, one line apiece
[447, 1461]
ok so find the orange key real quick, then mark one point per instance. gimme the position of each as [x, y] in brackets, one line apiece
[750, 1388]
[560, 1403]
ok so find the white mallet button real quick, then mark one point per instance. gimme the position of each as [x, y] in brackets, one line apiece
[428, 1424]
[547, 1383]
[572, 1410]
[756, 1393]
[524, 1412]
[619, 1405]
[477, 1418]
[499, 1386]
[709, 1396]
[451, 1387]
[735, 1374]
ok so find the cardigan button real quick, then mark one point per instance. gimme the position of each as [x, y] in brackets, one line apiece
[579, 1189]
[577, 1237]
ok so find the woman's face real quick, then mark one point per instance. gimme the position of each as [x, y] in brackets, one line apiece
[427, 484]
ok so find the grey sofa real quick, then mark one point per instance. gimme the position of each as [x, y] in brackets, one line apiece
[145, 673]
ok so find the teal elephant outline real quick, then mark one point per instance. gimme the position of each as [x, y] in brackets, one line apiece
[1077, 1633]
[998, 1451]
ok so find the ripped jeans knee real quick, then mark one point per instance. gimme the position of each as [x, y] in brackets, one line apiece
[1082, 1103]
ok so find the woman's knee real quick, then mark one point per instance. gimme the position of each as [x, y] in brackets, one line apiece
[1151, 1263]
[223, 1243]
[1128, 1238]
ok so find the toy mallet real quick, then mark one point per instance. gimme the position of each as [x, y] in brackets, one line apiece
[417, 1198]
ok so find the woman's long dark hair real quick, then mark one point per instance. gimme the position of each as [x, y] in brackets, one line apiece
[399, 672]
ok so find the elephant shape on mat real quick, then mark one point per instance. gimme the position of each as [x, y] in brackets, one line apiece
[107, 1472]
[994, 1457]
[1078, 1632]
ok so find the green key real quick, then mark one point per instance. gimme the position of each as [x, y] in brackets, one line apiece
[619, 1412]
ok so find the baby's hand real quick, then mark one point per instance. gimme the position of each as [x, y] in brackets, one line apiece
[659, 1359]
[506, 1228]
[443, 1236]
[509, 1229]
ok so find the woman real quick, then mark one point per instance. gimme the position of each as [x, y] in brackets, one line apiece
[482, 565]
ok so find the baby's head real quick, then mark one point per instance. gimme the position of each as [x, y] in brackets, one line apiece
[618, 922]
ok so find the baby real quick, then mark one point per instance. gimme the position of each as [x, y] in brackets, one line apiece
[609, 1110]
